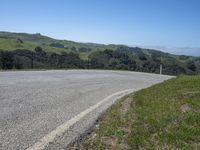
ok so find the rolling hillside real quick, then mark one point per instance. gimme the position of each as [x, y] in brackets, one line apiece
[10, 41]
[28, 51]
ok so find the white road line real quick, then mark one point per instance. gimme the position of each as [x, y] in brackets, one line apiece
[42, 143]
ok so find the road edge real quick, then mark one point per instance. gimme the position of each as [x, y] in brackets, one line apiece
[60, 130]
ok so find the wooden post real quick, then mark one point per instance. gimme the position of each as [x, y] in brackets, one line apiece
[32, 60]
[161, 69]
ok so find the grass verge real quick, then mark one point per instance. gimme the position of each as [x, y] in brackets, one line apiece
[164, 116]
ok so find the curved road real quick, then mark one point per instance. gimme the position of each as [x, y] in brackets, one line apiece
[36, 105]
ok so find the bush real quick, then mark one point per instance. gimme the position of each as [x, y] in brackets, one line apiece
[7, 60]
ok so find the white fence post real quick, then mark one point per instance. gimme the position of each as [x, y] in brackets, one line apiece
[160, 69]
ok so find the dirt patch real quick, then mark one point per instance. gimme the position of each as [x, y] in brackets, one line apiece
[125, 104]
[185, 108]
[113, 144]
[190, 93]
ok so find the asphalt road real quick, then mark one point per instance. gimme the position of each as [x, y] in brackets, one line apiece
[35, 103]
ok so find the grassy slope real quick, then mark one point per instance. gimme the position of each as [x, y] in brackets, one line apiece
[165, 116]
[39, 39]
[12, 44]
[8, 42]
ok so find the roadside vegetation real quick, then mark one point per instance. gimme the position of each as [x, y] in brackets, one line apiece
[164, 116]
[35, 51]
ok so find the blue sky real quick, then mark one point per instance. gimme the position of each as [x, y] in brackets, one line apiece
[170, 23]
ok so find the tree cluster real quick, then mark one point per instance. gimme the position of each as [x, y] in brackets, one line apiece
[123, 58]
[26, 59]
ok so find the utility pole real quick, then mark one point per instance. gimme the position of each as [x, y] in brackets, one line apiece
[161, 69]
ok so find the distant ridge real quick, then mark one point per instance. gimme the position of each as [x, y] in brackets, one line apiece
[28, 51]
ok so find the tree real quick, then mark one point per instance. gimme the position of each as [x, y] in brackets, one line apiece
[38, 49]
[17, 63]
[53, 60]
[57, 45]
[73, 48]
[40, 55]
[19, 40]
[191, 65]
[142, 57]
[7, 60]
[83, 49]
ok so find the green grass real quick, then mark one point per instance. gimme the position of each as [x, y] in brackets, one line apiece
[12, 44]
[164, 116]
[8, 42]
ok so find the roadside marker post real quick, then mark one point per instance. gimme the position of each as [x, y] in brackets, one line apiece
[160, 69]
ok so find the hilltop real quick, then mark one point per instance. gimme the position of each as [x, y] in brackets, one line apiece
[28, 51]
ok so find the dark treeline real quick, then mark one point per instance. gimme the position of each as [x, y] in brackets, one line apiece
[39, 59]
[126, 58]
[123, 58]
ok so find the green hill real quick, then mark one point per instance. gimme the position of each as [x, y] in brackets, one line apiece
[18, 50]
[10, 41]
